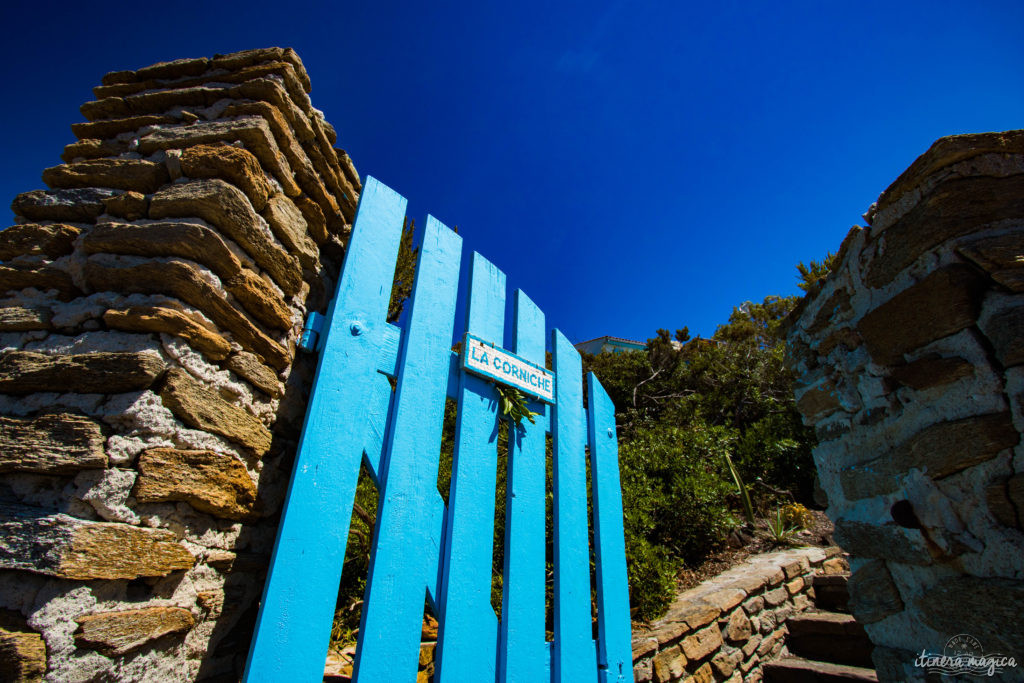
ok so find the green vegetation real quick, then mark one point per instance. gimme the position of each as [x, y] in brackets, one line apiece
[708, 435]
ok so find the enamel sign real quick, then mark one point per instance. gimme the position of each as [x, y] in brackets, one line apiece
[482, 358]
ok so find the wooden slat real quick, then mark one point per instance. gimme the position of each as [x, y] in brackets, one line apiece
[467, 633]
[294, 623]
[522, 653]
[400, 565]
[615, 655]
[574, 649]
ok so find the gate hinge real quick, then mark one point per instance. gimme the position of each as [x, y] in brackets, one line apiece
[311, 332]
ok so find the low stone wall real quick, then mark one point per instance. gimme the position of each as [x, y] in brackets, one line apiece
[910, 361]
[723, 629]
[150, 393]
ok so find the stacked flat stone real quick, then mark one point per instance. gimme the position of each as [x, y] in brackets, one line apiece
[725, 628]
[150, 395]
[911, 367]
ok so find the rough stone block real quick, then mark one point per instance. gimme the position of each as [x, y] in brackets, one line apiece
[22, 652]
[953, 209]
[931, 371]
[202, 408]
[57, 545]
[224, 206]
[882, 541]
[57, 443]
[873, 594]
[170, 321]
[233, 164]
[17, 276]
[669, 664]
[702, 674]
[24, 372]
[188, 240]
[183, 281]
[1006, 501]
[835, 565]
[754, 604]
[74, 206]
[260, 299]
[122, 174]
[31, 239]
[315, 220]
[130, 206]
[702, 643]
[108, 128]
[941, 304]
[22, 319]
[725, 599]
[795, 586]
[118, 633]
[210, 482]
[93, 149]
[249, 367]
[774, 598]
[997, 626]
[290, 227]
[738, 629]
[1001, 256]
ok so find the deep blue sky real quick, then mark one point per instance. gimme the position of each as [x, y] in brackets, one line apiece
[629, 165]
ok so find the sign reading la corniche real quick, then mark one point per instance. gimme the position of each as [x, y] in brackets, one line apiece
[485, 359]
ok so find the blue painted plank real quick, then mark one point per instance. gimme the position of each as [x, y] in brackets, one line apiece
[467, 638]
[573, 648]
[294, 623]
[615, 653]
[523, 656]
[400, 565]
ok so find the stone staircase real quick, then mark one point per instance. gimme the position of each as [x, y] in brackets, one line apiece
[825, 644]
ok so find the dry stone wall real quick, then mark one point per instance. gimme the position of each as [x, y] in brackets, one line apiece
[150, 393]
[911, 367]
[723, 629]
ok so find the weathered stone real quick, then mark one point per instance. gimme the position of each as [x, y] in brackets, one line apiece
[259, 299]
[942, 304]
[240, 60]
[724, 663]
[1001, 256]
[669, 664]
[820, 400]
[184, 282]
[882, 541]
[117, 633]
[289, 226]
[873, 594]
[253, 131]
[169, 321]
[112, 127]
[210, 482]
[702, 674]
[57, 545]
[738, 628]
[234, 164]
[702, 643]
[1006, 509]
[93, 149]
[80, 205]
[725, 599]
[796, 568]
[835, 565]
[754, 604]
[696, 613]
[202, 408]
[1005, 330]
[795, 586]
[953, 209]
[123, 174]
[21, 319]
[774, 598]
[188, 240]
[226, 207]
[226, 561]
[24, 372]
[178, 68]
[18, 276]
[22, 650]
[835, 309]
[844, 336]
[769, 641]
[931, 371]
[315, 221]
[747, 665]
[997, 626]
[130, 205]
[50, 444]
[941, 449]
[30, 239]
[349, 168]
[249, 367]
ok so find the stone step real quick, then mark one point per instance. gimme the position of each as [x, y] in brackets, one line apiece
[797, 670]
[829, 637]
[831, 592]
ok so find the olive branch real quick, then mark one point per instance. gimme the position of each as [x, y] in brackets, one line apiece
[513, 405]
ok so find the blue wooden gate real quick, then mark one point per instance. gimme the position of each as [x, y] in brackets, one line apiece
[420, 545]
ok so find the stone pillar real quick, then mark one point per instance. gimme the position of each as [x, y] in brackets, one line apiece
[910, 360]
[150, 393]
